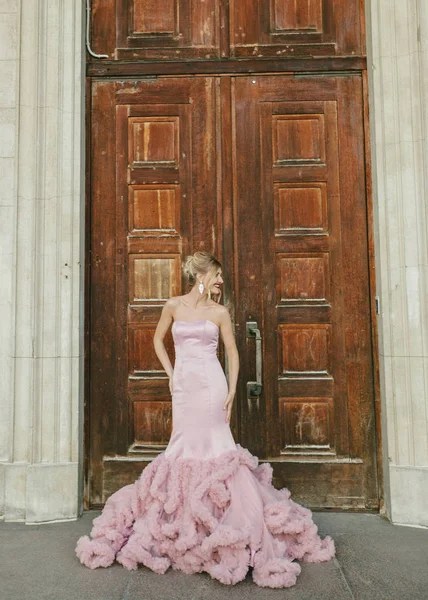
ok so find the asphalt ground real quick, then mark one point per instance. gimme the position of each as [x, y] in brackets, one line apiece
[375, 560]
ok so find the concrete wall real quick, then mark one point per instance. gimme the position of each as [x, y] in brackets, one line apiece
[41, 174]
[41, 253]
[9, 93]
[398, 70]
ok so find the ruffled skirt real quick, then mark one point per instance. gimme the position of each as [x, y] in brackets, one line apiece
[221, 516]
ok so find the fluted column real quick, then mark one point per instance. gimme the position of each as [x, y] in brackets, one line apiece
[40, 446]
[398, 70]
[8, 128]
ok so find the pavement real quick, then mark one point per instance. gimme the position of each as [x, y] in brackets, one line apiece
[375, 560]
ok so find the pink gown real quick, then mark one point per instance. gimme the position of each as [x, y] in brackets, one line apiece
[205, 504]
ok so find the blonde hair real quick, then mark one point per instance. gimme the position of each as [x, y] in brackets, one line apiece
[201, 262]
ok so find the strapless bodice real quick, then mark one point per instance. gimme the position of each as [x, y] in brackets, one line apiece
[199, 392]
[193, 338]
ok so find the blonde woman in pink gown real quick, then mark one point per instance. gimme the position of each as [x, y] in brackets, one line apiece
[204, 504]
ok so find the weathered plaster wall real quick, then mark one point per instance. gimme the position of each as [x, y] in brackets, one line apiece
[398, 69]
[41, 164]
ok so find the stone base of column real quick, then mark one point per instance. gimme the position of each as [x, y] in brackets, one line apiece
[39, 493]
[409, 493]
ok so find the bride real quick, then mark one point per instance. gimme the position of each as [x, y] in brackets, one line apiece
[204, 504]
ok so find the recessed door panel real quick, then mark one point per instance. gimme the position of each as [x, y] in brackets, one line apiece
[156, 30]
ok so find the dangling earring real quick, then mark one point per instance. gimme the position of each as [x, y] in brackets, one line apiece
[201, 288]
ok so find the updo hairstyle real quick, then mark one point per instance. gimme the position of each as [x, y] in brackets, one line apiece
[201, 262]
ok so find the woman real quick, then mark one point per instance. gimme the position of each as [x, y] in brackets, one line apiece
[204, 504]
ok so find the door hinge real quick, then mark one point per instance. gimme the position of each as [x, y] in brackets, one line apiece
[377, 305]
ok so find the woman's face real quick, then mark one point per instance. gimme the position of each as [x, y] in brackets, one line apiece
[216, 282]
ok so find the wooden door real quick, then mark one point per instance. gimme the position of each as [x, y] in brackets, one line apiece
[153, 198]
[304, 280]
[298, 238]
[190, 149]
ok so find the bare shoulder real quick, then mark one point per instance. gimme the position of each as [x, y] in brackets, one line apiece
[222, 314]
[169, 308]
[173, 302]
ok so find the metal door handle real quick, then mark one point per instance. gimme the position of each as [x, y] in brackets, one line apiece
[254, 388]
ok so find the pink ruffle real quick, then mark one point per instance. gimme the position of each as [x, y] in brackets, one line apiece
[220, 516]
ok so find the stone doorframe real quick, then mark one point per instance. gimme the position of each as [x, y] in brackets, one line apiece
[42, 183]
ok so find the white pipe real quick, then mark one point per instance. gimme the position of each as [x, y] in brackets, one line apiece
[88, 25]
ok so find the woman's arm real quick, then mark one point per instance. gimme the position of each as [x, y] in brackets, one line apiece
[160, 332]
[227, 334]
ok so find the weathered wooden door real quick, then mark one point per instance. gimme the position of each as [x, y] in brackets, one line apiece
[153, 157]
[303, 278]
[267, 172]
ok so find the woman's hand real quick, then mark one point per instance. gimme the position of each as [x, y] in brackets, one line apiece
[228, 405]
[170, 383]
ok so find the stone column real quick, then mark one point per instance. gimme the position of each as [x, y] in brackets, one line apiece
[8, 160]
[398, 71]
[41, 254]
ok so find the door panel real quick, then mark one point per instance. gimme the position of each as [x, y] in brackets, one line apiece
[284, 28]
[156, 30]
[304, 281]
[153, 200]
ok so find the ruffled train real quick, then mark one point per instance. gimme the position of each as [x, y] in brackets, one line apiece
[220, 515]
